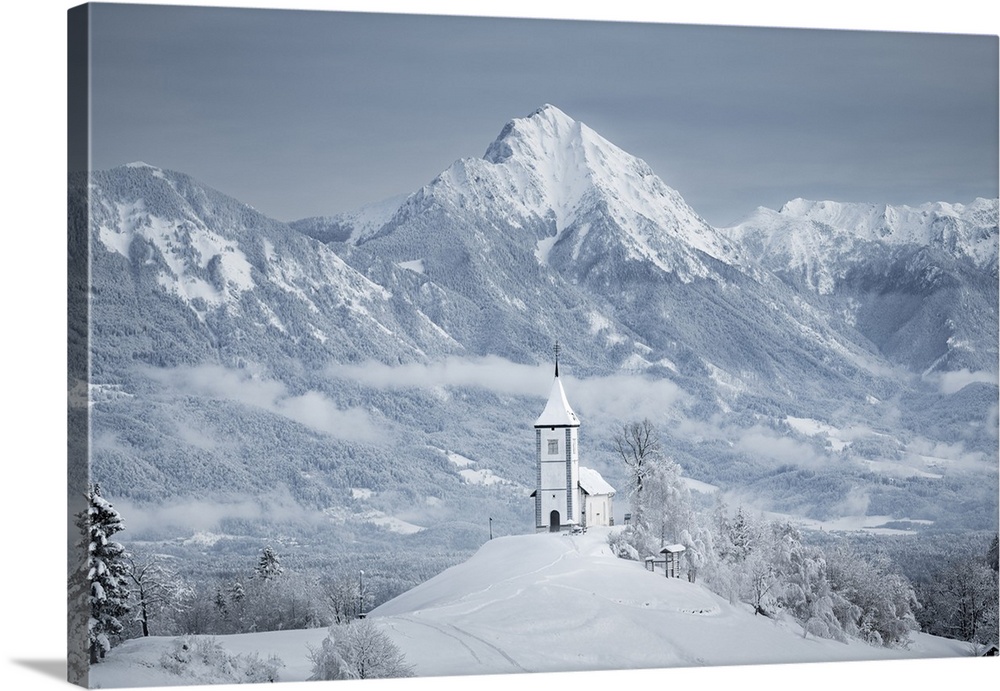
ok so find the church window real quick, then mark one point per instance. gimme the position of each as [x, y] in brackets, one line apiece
[553, 446]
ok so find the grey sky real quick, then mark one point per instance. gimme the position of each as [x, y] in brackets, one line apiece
[303, 113]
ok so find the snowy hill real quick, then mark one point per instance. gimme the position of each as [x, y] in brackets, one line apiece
[551, 602]
[546, 603]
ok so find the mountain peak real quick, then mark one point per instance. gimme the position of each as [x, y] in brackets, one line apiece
[561, 166]
[539, 134]
[550, 111]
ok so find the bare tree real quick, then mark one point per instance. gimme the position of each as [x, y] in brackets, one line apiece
[343, 598]
[158, 590]
[638, 444]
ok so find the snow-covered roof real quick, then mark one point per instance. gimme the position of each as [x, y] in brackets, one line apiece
[673, 548]
[557, 412]
[592, 483]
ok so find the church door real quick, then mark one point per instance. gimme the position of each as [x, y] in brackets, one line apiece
[554, 522]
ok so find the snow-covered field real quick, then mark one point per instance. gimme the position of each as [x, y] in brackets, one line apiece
[546, 603]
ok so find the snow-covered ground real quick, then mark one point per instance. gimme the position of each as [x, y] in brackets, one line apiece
[546, 603]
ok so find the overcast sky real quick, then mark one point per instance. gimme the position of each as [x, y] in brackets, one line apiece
[303, 113]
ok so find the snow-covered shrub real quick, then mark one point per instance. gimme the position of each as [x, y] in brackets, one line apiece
[620, 543]
[204, 660]
[254, 670]
[358, 650]
[327, 662]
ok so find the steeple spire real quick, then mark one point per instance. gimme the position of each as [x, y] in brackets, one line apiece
[558, 412]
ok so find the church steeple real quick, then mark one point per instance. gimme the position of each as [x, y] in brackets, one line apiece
[567, 496]
[557, 412]
[558, 499]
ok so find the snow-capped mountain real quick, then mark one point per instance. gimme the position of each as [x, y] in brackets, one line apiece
[919, 282]
[553, 178]
[557, 232]
[233, 280]
[816, 240]
[353, 226]
[561, 171]
[236, 355]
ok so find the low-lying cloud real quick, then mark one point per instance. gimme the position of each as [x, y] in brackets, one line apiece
[182, 515]
[491, 373]
[765, 443]
[311, 409]
[617, 396]
[953, 382]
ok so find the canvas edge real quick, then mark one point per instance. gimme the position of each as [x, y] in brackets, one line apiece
[77, 335]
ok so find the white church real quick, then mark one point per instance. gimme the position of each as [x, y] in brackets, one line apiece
[567, 496]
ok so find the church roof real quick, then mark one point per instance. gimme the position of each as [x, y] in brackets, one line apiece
[592, 483]
[557, 412]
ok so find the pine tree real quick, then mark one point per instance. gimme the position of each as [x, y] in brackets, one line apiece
[105, 572]
[237, 592]
[221, 605]
[268, 566]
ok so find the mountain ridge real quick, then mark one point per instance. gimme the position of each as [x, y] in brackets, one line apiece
[319, 364]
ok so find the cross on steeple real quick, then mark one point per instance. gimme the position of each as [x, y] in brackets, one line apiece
[556, 349]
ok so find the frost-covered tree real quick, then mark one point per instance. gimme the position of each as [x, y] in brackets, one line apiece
[344, 598]
[237, 596]
[882, 601]
[106, 574]
[961, 601]
[760, 578]
[158, 591]
[638, 445]
[268, 565]
[236, 592]
[699, 545]
[660, 500]
[221, 604]
[665, 502]
[742, 535]
[804, 590]
[358, 650]
[373, 654]
[327, 662]
[739, 567]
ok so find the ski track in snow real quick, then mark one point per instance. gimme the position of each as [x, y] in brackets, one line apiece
[461, 639]
[477, 595]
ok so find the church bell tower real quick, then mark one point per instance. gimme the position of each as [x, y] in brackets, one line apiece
[557, 465]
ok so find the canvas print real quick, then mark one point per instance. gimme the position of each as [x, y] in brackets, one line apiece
[425, 346]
